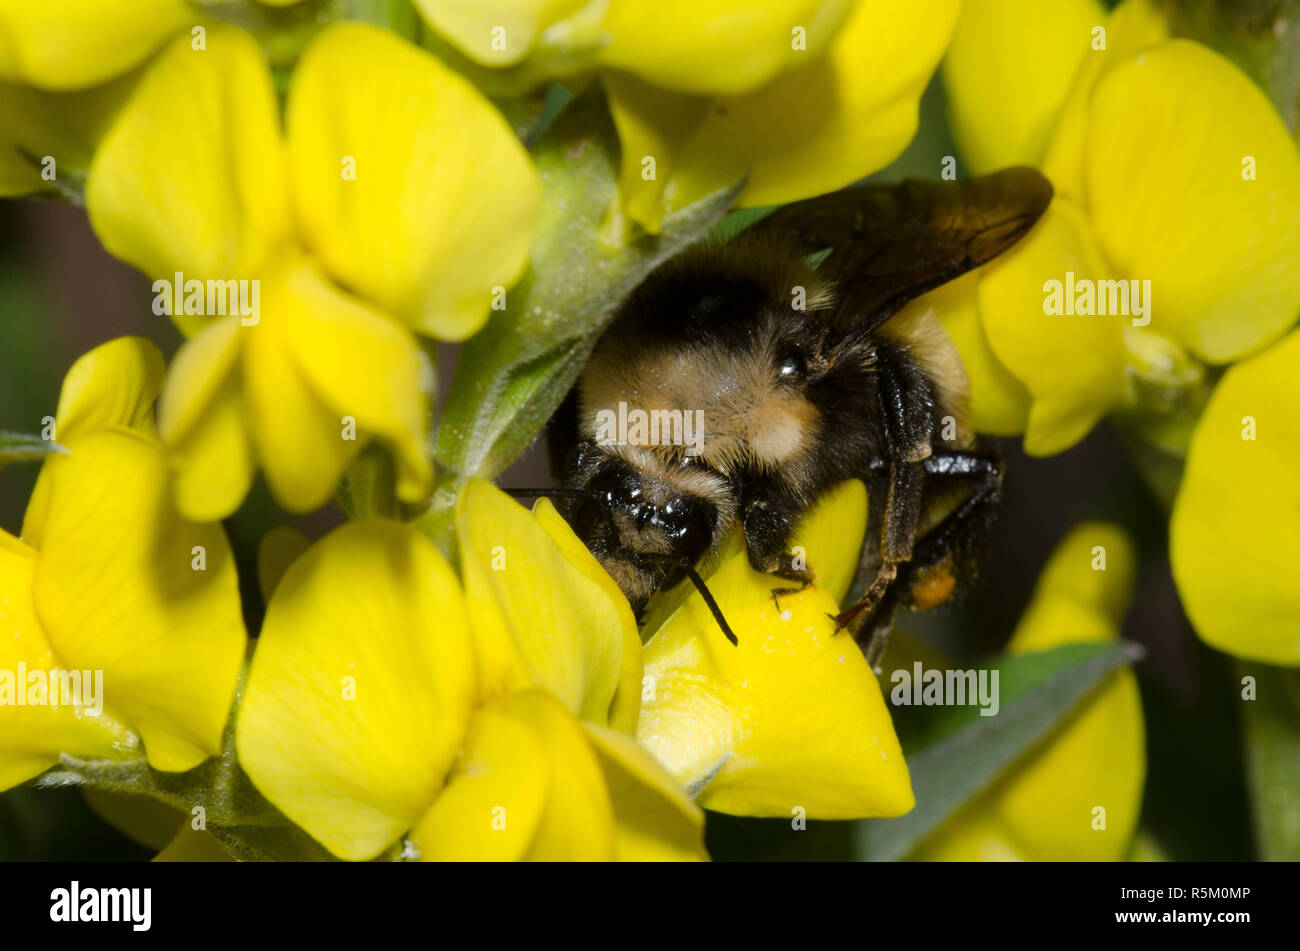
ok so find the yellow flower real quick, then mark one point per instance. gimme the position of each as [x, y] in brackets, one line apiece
[793, 717]
[1236, 519]
[74, 44]
[803, 96]
[358, 226]
[1007, 73]
[109, 581]
[486, 718]
[1076, 795]
[65, 70]
[78, 43]
[1174, 177]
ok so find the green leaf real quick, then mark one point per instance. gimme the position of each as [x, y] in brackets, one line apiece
[957, 754]
[517, 370]
[367, 489]
[21, 447]
[1272, 722]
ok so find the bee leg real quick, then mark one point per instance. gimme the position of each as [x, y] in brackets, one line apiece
[873, 612]
[902, 516]
[767, 516]
[768, 512]
[804, 576]
[931, 574]
[906, 402]
[945, 555]
[877, 643]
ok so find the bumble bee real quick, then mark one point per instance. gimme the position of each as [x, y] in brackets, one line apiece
[790, 344]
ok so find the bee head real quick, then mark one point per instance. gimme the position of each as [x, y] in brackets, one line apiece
[643, 529]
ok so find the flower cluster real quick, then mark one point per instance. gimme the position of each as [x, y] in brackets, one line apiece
[305, 227]
[1176, 183]
[321, 202]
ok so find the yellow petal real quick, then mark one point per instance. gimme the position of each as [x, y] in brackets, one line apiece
[721, 47]
[1072, 365]
[577, 823]
[1007, 74]
[1238, 511]
[1094, 568]
[209, 213]
[299, 440]
[203, 419]
[1180, 120]
[568, 629]
[213, 463]
[654, 821]
[305, 401]
[492, 806]
[792, 717]
[361, 364]
[33, 736]
[827, 123]
[999, 403]
[1131, 27]
[528, 786]
[127, 586]
[81, 42]
[200, 369]
[497, 34]
[360, 688]
[626, 705]
[444, 198]
[113, 385]
[654, 125]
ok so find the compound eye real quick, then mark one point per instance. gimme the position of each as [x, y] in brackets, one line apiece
[791, 367]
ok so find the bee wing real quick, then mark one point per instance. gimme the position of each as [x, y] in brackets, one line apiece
[891, 243]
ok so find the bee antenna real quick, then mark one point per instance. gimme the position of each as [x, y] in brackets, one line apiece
[553, 493]
[707, 595]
